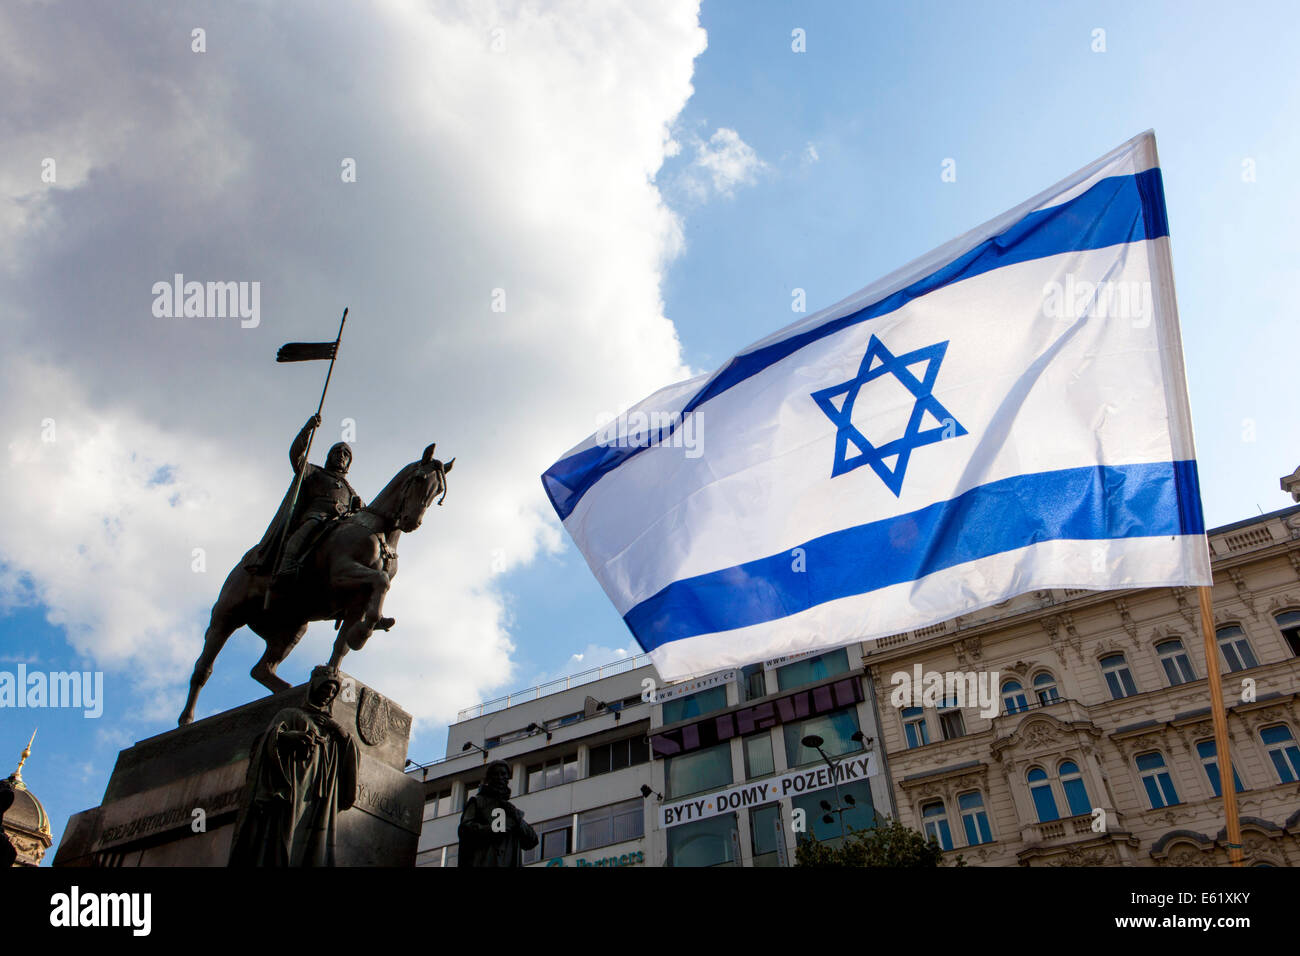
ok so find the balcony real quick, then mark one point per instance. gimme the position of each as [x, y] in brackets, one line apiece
[1065, 710]
[1065, 830]
[1072, 842]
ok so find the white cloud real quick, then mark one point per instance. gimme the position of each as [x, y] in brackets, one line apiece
[527, 170]
[810, 154]
[726, 162]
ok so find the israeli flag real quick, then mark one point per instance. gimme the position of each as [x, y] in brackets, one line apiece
[1005, 414]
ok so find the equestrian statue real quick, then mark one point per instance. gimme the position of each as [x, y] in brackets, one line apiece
[326, 556]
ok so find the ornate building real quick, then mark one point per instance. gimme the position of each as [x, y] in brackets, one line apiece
[1101, 748]
[25, 822]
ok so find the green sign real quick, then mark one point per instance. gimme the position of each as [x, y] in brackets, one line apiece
[635, 858]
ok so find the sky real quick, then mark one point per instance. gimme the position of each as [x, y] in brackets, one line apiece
[538, 213]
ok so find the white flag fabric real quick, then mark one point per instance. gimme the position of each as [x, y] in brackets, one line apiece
[1005, 414]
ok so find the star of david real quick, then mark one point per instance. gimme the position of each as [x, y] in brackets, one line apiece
[926, 411]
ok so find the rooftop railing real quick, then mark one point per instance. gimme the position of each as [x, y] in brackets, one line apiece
[554, 687]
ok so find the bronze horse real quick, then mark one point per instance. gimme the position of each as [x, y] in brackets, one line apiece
[344, 579]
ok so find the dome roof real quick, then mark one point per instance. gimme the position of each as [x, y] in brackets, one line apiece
[27, 813]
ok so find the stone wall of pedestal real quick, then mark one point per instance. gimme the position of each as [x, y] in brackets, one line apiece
[172, 800]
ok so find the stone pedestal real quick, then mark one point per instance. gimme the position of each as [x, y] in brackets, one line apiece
[173, 799]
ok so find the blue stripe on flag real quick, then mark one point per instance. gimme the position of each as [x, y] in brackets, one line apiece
[1086, 504]
[1115, 210]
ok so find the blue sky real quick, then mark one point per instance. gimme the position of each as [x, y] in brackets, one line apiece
[839, 184]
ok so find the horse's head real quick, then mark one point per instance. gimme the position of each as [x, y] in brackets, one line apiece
[423, 481]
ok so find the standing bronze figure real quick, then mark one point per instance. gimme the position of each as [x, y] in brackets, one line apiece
[344, 577]
[302, 774]
[493, 831]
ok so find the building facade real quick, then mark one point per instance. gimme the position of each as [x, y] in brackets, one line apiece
[580, 757]
[751, 760]
[1061, 727]
[1099, 746]
[615, 768]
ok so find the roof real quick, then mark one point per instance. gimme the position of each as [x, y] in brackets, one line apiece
[27, 812]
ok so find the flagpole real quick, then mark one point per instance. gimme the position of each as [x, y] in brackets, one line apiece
[1227, 778]
[302, 467]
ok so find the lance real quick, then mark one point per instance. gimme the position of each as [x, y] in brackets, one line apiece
[304, 352]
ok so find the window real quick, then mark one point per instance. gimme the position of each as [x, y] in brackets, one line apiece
[1208, 751]
[914, 727]
[765, 833]
[600, 759]
[1236, 649]
[438, 804]
[705, 769]
[434, 857]
[951, 723]
[1013, 697]
[616, 823]
[1173, 658]
[1040, 788]
[1076, 791]
[934, 820]
[452, 857]
[854, 799]
[836, 730]
[695, 705]
[973, 818]
[812, 669]
[555, 839]
[552, 773]
[710, 842]
[555, 843]
[753, 682]
[1156, 779]
[618, 755]
[1115, 669]
[1288, 622]
[1045, 688]
[470, 790]
[758, 755]
[1282, 751]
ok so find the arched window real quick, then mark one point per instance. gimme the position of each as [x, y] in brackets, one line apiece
[1173, 658]
[1235, 647]
[1013, 697]
[1076, 792]
[1288, 622]
[934, 818]
[1118, 677]
[1282, 751]
[1040, 788]
[1155, 777]
[1045, 688]
[973, 818]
